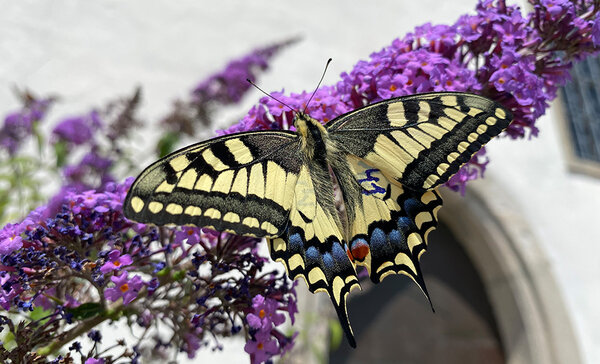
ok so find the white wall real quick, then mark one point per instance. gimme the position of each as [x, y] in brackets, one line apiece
[89, 52]
[561, 208]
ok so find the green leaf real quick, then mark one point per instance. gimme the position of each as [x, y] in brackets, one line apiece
[39, 138]
[61, 151]
[39, 313]
[335, 334]
[8, 341]
[179, 275]
[166, 144]
[86, 310]
[164, 272]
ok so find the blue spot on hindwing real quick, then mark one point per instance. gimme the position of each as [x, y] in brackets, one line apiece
[412, 207]
[295, 243]
[378, 239]
[328, 262]
[339, 254]
[397, 238]
[405, 225]
[312, 256]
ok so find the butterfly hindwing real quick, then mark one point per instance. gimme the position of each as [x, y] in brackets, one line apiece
[241, 183]
[314, 247]
[420, 141]
[389, 225]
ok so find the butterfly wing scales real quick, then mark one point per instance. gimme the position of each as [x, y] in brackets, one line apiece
[241, 183]
[314, 249]
[390, 225]
[420, 141]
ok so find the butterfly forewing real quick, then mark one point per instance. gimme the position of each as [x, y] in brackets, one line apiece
[420, 141]
[241, 183]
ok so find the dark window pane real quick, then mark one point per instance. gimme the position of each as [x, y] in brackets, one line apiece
[582, 102]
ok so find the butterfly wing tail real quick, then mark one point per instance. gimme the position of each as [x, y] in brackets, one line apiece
[325, 267]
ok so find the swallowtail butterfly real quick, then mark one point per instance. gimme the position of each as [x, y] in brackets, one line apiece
[387, 158]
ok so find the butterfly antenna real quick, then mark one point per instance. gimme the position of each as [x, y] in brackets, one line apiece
[319, 84]
[271, 96]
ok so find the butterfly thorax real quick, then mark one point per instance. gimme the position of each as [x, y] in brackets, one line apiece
[328, 165]
[313, 136]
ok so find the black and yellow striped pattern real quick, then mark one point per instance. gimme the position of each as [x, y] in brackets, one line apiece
[387, 159]
[240, 183]
[423, 140]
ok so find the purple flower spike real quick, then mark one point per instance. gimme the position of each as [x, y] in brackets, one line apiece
[519, 61]
[19, 125]
[74, 130]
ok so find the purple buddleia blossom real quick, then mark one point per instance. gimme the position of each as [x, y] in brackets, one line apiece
[115, 260]
[189, 234]
[10, 238]
[265, 314]
[9, 289]
[266, 340]
[262, 348]
[228, 85]
[518, 60]
[19, 125]
[82, 261]
[89, 237]
[75, 130]
[224, 87]
[125, 287]
[94, 361]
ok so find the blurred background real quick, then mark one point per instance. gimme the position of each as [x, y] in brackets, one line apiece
[514, 269]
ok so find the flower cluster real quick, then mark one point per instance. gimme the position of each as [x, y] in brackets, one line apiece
[265, 341]
[95, 136]
[223, 88]
[19, 191]
[21, 124]
[518, 60]
[77, 261]
[89, 263]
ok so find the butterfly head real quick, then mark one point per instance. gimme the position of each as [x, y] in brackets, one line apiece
[312, 134]
[306, 124]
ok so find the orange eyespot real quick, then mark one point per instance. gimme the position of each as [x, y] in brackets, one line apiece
[360, 249]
